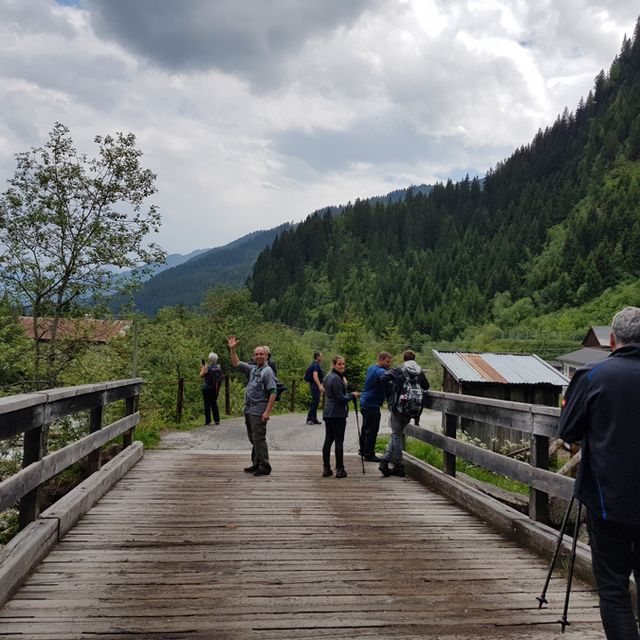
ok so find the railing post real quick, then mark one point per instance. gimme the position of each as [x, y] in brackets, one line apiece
[538, 500]
[33, 450]
[449, 426]
[95, 424]
[227, 396]
[130, 407]
[180, 400]
[292, 401]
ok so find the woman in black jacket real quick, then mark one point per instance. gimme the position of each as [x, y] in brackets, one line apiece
[336, 410]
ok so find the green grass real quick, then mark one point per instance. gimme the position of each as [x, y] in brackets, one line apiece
[434, 456]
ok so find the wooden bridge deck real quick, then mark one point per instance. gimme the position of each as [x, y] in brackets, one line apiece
[189, 546]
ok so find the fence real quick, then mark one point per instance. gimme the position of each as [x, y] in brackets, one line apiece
[538, 423]
[31, 414]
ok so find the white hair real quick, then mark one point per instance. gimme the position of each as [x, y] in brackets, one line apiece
[213, 357]
[626, 325]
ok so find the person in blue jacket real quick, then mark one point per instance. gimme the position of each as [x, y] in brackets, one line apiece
[372, 398]
[336, 410]
[602, 411]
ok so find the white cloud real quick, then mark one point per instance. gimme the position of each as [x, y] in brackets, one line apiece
[257, 113]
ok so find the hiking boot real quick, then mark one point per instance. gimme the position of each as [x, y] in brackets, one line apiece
[251, 469]
[262, 471]
[310, 422]
[384, 468]
[373, 458]
[341, 473]
[327, 472]
[398, 470]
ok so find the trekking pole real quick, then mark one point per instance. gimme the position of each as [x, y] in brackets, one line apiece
[355, 408]
[542, 597]
[563, 621]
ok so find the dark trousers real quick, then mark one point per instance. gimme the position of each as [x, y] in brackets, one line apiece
[315, 403]
[369, 433]
[257, 434]
[333, 432]
[210, 398]
[615, 551]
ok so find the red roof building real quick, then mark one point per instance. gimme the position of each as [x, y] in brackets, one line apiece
[84, 329]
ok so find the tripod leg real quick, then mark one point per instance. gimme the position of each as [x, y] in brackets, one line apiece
[563, 621]
[542, 597]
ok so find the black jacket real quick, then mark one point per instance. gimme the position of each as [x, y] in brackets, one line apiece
[336, 397]
[602, 409]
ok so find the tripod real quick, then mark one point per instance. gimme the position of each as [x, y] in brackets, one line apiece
[576, 529]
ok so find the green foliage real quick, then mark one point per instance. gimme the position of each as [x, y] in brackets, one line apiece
[350, 344]
[15, 350]
[63, 229]
[552, 227]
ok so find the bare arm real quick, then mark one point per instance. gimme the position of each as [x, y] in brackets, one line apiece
[267, 412]
[316, 379]
[233, 342]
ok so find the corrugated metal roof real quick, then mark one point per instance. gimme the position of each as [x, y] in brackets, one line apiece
[503, 368]
[584, 356]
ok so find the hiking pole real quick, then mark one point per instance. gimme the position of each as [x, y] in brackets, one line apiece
[542, 597]
[355, 408]
[563, 621]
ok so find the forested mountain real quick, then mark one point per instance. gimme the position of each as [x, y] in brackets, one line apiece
[229, 265]
[550, 227]
[187, 283]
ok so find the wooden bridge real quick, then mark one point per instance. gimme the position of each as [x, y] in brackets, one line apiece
[186, 545]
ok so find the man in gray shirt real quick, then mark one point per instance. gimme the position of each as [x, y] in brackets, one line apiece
[259, 396]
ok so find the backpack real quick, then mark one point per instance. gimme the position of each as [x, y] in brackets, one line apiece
[409, 395]
[280, 387]
[213, 378]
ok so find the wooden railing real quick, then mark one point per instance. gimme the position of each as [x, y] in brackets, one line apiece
[31, 414]
[537, 423]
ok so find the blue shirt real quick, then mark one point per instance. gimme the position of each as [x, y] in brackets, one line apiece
[374, 393]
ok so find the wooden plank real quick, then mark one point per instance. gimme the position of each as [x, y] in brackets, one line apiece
[22, 553]
[69, 509]
[541, 479]
[189, 546]
[32, 476]
[530, 419]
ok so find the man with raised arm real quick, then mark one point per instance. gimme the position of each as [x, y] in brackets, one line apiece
[602, 410]
[259, 396]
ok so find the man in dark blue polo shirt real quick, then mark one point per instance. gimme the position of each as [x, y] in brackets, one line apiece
[602, 410]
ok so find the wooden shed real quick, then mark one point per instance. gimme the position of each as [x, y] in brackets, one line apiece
[504, 376]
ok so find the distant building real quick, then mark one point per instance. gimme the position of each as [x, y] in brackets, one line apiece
[597, 338]
[82, 329]
[596, 348]
[514, 377]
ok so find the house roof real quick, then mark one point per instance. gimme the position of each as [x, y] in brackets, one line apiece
[582, 357]
[86, 329]
[502, 368]
[601, 334]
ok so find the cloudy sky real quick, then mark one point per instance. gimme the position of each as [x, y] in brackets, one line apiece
[257, 112]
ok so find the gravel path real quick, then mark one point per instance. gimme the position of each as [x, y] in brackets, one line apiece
[286, 432]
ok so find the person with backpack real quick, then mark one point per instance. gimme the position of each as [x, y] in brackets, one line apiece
[336, 410]
[406, 386]
[373, 395]
[259, 398]
[314, 376]
[211, 375]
